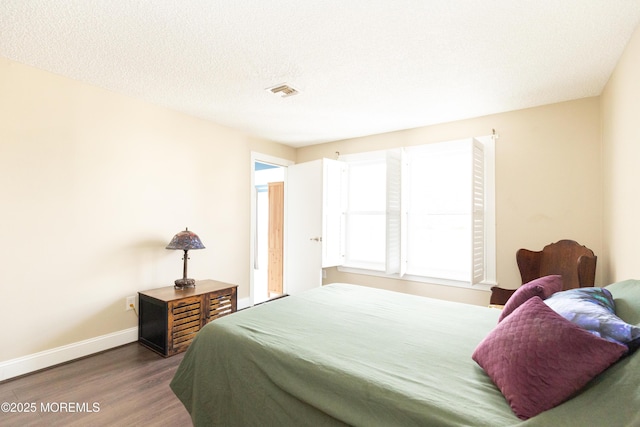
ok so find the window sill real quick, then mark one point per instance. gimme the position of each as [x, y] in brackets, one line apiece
[485, 286]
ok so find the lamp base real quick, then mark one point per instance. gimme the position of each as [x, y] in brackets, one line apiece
[185, 283]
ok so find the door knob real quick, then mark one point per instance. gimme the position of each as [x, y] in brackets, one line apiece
[316, 239]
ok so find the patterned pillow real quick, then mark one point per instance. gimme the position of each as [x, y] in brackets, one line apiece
[538, 359]
[542, 287]
[626, 295]
[593, 309]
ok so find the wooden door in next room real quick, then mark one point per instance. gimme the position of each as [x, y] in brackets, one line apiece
[276, 238]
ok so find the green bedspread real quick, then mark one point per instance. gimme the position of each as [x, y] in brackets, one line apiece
[345, 354]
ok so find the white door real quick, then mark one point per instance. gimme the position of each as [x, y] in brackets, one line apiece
[314, 222]
[303, 227]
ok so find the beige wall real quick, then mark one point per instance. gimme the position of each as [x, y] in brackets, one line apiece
[548, 183]
[94, 185]
[621, 162]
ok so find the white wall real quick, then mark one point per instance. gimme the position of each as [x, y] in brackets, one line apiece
[94, 185]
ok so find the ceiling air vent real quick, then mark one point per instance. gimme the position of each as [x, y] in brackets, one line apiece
[283, 90]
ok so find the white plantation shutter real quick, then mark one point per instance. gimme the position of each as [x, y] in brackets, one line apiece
[478, 213]
[334, 201]
[396, 227]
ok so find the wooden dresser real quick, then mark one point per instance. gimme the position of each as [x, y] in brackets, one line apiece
[170, 318]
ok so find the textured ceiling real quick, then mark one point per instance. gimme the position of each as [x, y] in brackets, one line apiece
[360, 66]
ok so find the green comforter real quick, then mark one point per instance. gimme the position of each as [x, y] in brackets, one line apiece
[351, 355]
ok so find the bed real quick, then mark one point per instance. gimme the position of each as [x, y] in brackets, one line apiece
[351, 355]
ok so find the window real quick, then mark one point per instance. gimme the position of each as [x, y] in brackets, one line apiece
[423, 213]
[365, 222]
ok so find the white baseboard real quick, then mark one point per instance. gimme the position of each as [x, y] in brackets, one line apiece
[55, 356]
[244, 303]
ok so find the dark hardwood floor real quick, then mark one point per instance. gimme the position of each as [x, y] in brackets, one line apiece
[125, 386]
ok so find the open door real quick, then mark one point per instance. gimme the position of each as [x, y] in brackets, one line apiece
[303, 235]
[315, 222]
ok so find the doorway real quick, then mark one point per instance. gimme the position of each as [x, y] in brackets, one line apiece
[268, 176]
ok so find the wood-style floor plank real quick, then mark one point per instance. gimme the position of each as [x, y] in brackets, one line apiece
[129, 384]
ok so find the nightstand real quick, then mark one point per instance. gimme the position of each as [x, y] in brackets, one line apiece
[169, 318]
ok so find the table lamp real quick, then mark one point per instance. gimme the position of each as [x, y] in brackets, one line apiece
[185, 241]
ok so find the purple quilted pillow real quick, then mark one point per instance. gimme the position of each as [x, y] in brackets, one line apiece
[542, 287]
[538, 359]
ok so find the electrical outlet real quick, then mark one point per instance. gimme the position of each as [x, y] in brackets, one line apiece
[130, 303]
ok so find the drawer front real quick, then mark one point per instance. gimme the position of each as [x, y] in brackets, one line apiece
[185, 320]
[221, 303]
